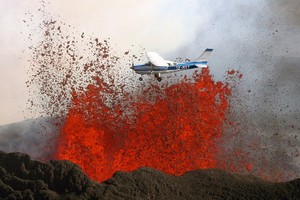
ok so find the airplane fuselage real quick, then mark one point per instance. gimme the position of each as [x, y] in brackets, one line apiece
[149, 68]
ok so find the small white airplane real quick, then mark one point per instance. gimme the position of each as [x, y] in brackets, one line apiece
[157, 65]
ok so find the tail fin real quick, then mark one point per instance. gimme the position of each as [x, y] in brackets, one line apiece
[205, 55]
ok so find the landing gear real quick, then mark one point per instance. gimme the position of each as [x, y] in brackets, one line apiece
[157, 76]
[140, 79]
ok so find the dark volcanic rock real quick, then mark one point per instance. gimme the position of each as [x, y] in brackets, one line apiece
[23, 178]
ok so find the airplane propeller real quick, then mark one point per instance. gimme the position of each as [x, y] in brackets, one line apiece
[132, 67]
[132, 64]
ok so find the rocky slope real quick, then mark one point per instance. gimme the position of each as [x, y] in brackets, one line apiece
[23, 178]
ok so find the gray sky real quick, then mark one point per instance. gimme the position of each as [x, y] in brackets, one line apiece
[238, 31]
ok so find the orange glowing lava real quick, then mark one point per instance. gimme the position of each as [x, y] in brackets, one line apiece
[175, 133]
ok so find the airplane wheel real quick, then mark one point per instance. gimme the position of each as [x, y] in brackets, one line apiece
[159, 79]
[140, 78]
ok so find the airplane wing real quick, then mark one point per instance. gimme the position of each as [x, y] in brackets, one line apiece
[156, 59]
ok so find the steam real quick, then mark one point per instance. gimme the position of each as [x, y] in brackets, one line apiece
[34, 137]
[275, 110]
[264, 44]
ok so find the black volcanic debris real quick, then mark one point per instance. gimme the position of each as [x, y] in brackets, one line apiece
[147, 183]
[23, 178]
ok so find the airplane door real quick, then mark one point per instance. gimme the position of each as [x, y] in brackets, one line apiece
[152, 66]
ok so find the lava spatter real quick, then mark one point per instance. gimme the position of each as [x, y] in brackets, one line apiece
[110, 121]
[175, 133]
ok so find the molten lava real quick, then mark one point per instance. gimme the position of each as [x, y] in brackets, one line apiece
[175, 133]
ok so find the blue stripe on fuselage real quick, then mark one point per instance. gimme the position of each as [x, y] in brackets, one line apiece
[191, 63]
[141, 65]
[177, 65]
[171, 68]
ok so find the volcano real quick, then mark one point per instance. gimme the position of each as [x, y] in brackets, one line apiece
[108, 121]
